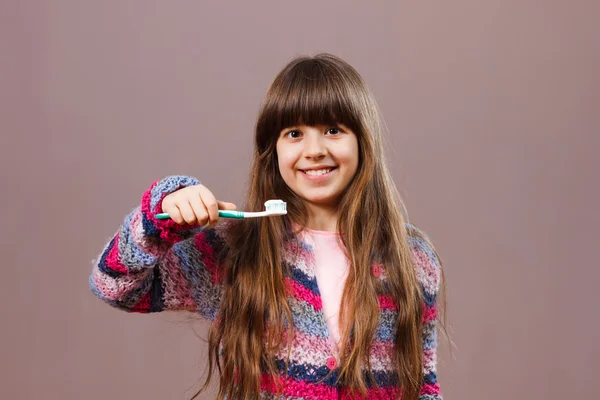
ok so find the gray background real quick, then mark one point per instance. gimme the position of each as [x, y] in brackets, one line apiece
[492, 111]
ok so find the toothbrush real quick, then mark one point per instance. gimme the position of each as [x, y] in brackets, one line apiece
[273, 207]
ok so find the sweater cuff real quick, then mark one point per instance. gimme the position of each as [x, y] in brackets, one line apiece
[165, 229]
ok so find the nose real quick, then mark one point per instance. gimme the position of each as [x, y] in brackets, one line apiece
[314, 146]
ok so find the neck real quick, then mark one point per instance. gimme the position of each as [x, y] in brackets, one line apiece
[322, 217]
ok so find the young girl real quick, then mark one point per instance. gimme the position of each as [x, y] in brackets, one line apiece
[336, 299]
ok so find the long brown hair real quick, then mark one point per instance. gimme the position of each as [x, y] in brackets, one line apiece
[254, 315]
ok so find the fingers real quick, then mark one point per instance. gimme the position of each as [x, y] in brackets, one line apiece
[210, 204]
[194, 205]
[223, 205]
[199, 209]
[174, 213]
[187, 212]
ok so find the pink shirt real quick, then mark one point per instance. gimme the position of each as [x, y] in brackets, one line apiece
[331, 271]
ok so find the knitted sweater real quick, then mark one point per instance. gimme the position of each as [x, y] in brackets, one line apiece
[155, 265]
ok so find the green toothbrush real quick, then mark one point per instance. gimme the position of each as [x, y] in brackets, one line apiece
[273, 207]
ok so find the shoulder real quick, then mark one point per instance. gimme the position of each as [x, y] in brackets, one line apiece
[425, 259]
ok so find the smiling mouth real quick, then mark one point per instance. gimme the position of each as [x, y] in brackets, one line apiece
[317, 172]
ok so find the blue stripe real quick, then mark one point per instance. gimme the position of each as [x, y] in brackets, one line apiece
[168, 185]
[428, 298]
[431, 378]
[318, 374]
[429, 335]
[150, 229]
[386, 327]
[308, 282]
[309, 373]
[205, 293]
[383, 378]
[302, 244]
[157, 294]
[306, 319]
[310, 321]
[131, 255]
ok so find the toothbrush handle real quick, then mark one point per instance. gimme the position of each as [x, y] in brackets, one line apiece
[231, 214]
[222, 213]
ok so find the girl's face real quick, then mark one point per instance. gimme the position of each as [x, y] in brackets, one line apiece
[318, 162]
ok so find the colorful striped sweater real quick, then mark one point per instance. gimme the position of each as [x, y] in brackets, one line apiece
[155, 265]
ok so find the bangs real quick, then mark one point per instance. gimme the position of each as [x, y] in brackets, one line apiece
[309, 93]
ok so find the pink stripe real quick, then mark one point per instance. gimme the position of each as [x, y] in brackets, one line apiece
[430, 313]
[302, 293]
[136, 230]
[115, 289]
[430, 388]
[208, 256]
[429, 355]
[166, 227]
[143, 306]
[112, 258]
[385, 393]
[387, 303]
[177, 293]
[300, 257]
[103, 285]
[293, 388]
[429, 360]
[306, 349]
[381, 353]
[310, 349]
[428, 272]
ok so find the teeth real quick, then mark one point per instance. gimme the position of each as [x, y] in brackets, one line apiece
[317, 172]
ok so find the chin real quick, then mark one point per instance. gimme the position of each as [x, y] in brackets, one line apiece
[322, 200]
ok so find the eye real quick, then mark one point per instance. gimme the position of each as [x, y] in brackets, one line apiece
[333, 131]
[293, 134]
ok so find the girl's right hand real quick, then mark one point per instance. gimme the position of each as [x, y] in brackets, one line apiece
[194, 205]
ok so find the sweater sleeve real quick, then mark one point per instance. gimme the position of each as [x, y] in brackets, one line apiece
[153, 265]
[428, 269]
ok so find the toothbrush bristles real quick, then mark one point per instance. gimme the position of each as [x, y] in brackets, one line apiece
[277, 207]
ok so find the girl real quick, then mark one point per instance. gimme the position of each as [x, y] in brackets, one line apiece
[336, 299]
